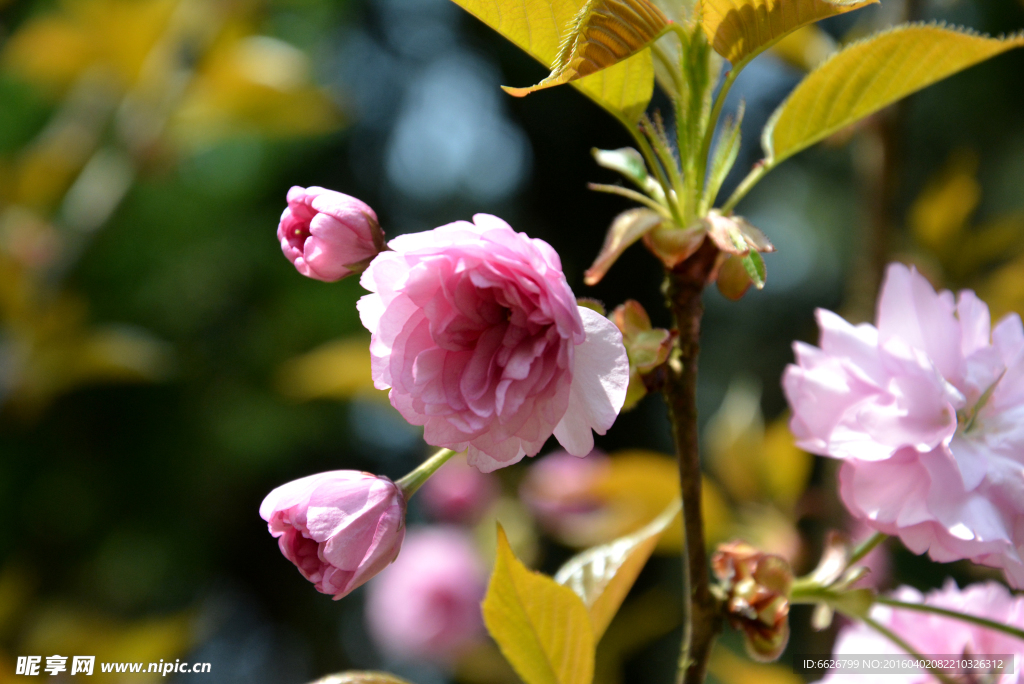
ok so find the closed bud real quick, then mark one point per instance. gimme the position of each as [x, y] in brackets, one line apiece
[647, 347]
[327, 235]
[340, 528]
[755, 588]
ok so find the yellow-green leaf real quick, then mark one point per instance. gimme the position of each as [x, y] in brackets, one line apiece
[869, 75]
[603, 575]
[538, 26]
[541, 626]
[602, 34]
[361, 677]
[739, 30]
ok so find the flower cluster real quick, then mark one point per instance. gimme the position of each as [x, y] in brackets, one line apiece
[925, 411]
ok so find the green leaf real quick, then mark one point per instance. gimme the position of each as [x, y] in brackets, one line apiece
[869, 75]
[541, 627]
[754, 265]
[537, 27]
[603, 575]
[724, 156]
[602, 34]
[361, 677]
[739, 30]
[627, 228]
[625, 160]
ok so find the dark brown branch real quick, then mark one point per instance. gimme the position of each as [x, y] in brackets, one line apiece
[683, 287]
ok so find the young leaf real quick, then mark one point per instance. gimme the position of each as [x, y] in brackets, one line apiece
[627, 228]
[603, 575]
[541, 627]
[537, 27]
[626, 161]
[724, 156]
[602, 34]
[869, 75]
[755, 268]
[739, 30]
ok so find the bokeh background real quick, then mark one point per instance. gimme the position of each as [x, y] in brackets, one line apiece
[162, 367]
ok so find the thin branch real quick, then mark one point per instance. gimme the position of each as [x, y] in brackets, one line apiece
[963, 617]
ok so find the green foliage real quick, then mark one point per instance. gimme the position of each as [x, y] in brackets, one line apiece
[870, 74]
[542, 627]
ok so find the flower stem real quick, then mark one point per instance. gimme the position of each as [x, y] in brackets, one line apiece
[414, 480]
[964, 617]
[702, 619]
[899, 641]
[866, 547]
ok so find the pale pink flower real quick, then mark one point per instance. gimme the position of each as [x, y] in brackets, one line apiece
[458, 492]
[340, 528]
[936, 635]
[479, 338]
[561, 491]
[927, 413]
[327, 235]
[427, 605]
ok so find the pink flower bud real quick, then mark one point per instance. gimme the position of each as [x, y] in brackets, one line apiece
[340, 528]
[427, 605]
[328, 235]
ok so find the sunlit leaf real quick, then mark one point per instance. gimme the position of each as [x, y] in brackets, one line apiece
[626, 161]
[542, 627]
[602, 34]
[336, 370]
[627, 228]
[739, 30]
[538, 26]
[870, 74]
[361, 677]
[603, 575]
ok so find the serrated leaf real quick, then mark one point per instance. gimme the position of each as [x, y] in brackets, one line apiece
[541, 627]
[627, 228]
[869, 75]
[603, 575]
[602, 34]
[739, 30]
[361, 677]
[754, 265]
[537, 27]
[727, 147]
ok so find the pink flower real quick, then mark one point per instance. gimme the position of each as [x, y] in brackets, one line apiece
[927, 413]
[561, 490]
[458, 492]
[931, 634]
[427, 605]
[340, 528]
[328, 235]
[479, 338]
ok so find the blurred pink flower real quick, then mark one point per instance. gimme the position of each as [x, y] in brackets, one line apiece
[926, 412]
[427, 605]
[458, 492]
[340, 528]
[560, 491]
[479, 338]
[327, 235]
[934, 634]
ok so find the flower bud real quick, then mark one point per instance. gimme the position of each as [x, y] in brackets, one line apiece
[459, 493]
[340, 528]
[647, 348]
[327, 235]
[755, 588]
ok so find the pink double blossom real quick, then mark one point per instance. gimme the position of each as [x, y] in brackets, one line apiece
[936, 635]
[340, 528]
[427, 604]
[479, 338]
[328, 235]
[926, 411]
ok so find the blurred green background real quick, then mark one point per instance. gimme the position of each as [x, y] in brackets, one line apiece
[155, 376]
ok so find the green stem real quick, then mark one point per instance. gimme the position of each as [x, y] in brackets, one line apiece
[899, 641]
[866, 547]
[638, 197]
[414, 480]
[716, 112]
[652, 162]
[963, 617]
[759, 171]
